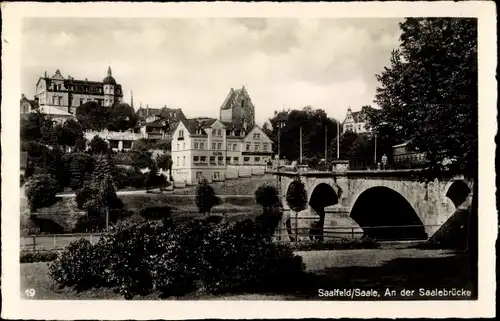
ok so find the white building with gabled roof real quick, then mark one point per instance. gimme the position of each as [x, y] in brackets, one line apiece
[220, 149]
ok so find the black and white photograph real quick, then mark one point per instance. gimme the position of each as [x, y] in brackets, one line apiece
[248, 157]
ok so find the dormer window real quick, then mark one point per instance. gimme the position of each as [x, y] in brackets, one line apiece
[199, 131]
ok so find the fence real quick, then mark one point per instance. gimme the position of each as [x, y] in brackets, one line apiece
[293, 232]
[55, 241]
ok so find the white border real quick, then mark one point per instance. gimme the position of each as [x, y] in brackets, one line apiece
[14, 307]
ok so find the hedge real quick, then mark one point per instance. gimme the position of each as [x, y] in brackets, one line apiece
[38, 256]
[210, 255]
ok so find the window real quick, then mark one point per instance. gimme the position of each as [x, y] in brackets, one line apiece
[196, 145]
[235, 160]
[203, 159]
[113, 143]
[228, 160]
[257, 160]
[195, 159]
[221, 160]
[264, 146]
[216, 175]
[183, 145]
[181, 133]
[212, 160]
[219, 132]
[234, 146]
[199, 131]
[127, 144]
[183, 160]
[199, 175]
[202, 145]
[177, 161]
[214, 131]
[58, 86]
[219, 146]
[213, 145]
[53, 100]
[256, 136]
[246, 160]
[256, 147]
[248, 147]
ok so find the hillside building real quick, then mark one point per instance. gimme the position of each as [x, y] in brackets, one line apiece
[58, 97]
[356, 122]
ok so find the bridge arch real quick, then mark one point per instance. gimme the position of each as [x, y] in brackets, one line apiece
[457, 191]
[385, 214]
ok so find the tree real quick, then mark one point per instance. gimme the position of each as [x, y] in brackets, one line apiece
[152, 177]
[296, 197]
[315, 124]
[429, 95]
[121, 117]
[99, 199]
[140, 155]
[41, 190]
[98, 145]
[429, 92]
[78, 164]
[104, 167]
[72, 132]
[92, 116]
[31, 127]
[205, 197]
[267, 197]
[165, 162]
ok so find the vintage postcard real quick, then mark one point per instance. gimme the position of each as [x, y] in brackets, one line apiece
[248, 160]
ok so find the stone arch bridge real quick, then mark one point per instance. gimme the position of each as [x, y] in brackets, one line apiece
[382, 204]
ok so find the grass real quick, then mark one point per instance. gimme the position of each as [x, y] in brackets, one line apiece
[345, 269]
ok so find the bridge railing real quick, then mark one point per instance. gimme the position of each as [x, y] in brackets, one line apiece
[296, 233]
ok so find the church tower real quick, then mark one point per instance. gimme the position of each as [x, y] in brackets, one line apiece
[109, 84]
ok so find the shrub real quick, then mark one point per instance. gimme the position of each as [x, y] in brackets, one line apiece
[205, 197]
[126, 177]
[41, 190]
[37, 256]
[242, 256]
[79, 266]
[206, 254]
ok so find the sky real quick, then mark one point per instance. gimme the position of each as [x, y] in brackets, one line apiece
[191, 64]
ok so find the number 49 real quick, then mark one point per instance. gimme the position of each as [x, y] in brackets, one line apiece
[29, 293]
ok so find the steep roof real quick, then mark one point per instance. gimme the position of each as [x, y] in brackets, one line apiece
[232, 97]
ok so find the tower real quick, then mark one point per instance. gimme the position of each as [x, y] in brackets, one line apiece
[109, 84]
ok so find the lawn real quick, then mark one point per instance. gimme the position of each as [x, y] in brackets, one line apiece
[344, 269]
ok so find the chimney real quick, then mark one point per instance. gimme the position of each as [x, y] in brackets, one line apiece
[147, 110]
[45, 74]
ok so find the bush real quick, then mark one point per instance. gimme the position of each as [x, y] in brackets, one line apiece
[37, 256]
[127, 177]
[79, 266]
[207, 254]
[242, 256]
[205, 197]
[41, 190]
